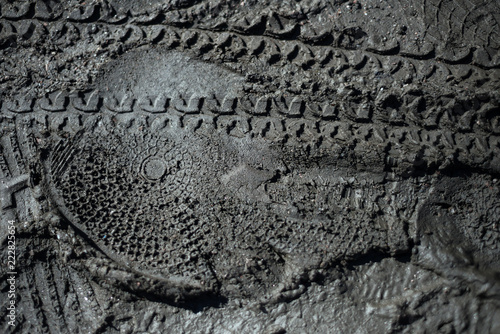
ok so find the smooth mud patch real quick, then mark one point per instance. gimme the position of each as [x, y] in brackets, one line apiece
[158, 71]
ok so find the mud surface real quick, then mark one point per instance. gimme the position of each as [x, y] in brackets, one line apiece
[250, 166]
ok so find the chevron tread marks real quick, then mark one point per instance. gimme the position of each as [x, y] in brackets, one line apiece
[414, 33]
[353, 72]
[134, 34]
[172, 165]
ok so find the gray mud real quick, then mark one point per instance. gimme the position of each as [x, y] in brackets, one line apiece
[253, 167]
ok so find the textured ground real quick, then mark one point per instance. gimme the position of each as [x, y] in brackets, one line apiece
[252, 167]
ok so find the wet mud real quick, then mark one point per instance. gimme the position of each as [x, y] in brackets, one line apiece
[250, 166]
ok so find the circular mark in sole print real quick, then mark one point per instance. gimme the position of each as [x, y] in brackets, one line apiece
[154, 168]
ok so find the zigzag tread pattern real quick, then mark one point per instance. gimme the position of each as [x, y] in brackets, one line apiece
[419, 80]
[449, 113]
[273, 24]
[400, 148]
[32, 30]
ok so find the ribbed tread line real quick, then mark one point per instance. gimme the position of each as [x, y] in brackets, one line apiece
[403, 145]
[86, 299]
[124, 34]
[50, 304]
[61, 284]
[479, 119]
[10, 155]
[400, 146]
[98, 13]
[4, 166]
[29, 298]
